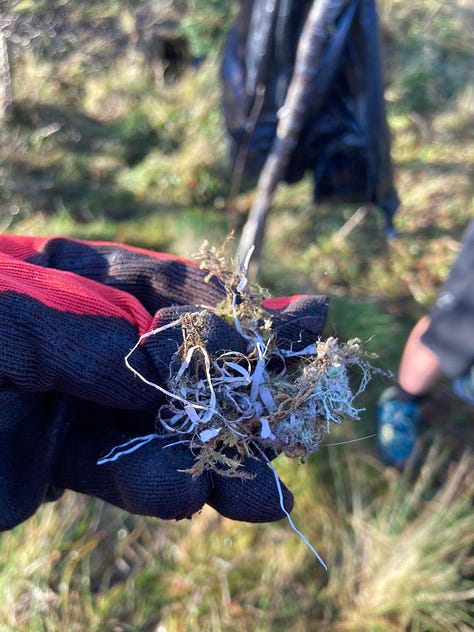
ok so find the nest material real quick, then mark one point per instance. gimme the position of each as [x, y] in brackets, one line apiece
[225, 406]
[235, 401]
[230, 405]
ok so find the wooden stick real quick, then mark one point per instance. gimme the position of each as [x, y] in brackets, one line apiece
[6, 96]
[314, 37]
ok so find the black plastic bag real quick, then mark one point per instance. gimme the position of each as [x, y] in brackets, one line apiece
[345, 141]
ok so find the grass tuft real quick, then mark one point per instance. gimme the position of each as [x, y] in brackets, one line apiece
[404, 558]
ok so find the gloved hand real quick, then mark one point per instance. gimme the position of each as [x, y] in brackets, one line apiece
[69, 313]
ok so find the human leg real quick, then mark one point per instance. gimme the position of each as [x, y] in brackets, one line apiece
[439, 344]
[420, 368]
[399, 407]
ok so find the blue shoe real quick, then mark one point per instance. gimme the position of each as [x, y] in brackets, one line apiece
[397, 428]
[463, 387]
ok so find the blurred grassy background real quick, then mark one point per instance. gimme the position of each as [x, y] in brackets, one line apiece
[98, 146]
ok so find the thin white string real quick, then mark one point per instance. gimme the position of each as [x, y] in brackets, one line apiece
[287, 513]
[329, 445]
[126, 448]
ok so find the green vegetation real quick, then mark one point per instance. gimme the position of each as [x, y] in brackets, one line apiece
[99, 148]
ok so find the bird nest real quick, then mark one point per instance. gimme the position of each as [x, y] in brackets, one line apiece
[229, 405]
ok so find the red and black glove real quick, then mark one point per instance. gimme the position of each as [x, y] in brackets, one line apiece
[70, 311]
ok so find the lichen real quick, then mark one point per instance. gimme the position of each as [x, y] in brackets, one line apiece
[224, 405]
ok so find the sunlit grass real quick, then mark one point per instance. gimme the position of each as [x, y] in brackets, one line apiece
[397, 549]
[147, 165]
[404, 557]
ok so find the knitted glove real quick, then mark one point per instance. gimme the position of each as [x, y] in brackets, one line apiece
[69, 313]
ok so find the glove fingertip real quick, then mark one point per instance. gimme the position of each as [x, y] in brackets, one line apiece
[154, 483]
[298, 320]
[256, 500]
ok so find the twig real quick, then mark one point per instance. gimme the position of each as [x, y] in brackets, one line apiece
[346, 229]
[311, 46]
